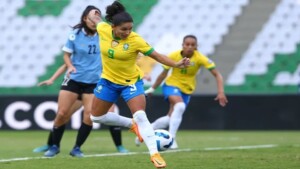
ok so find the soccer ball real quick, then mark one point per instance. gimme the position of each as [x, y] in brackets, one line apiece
[164, 139]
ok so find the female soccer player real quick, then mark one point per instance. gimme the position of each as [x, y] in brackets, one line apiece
[181, 83]
[115, 131]
[122, 76]
[81, 55]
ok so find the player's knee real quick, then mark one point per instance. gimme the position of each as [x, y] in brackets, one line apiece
[62, 116]
[87, 120]
[140, 115]
[98, 119]
[180, 107]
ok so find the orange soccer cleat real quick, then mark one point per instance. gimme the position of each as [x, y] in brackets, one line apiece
[158, 161]
[134, 128]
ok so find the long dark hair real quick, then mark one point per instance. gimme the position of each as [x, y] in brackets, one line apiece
[116, 14]
[82, 24]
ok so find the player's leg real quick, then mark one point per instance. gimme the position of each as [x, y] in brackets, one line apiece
[178, 107]
[161, 123]
[136, 101]
[46, 147]
[105, 94]
[115, 132]
[86, 125]
[65, 101]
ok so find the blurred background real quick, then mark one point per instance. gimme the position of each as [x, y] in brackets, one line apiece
[254, 43]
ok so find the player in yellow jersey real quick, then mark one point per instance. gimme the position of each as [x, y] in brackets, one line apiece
[121, 75]
[181, 83]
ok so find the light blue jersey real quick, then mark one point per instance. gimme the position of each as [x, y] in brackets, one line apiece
[85, 56]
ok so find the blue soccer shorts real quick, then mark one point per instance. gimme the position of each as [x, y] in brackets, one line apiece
[110, 92]
[175, 91]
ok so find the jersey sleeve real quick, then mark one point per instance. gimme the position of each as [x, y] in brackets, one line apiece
[207, 62]
[143, 46]
[69, 45]
[100, 25]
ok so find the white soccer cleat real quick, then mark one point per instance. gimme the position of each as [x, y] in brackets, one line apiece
[174, 145]
[137, 141]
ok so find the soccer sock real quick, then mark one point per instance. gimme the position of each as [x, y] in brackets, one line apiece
[115, 132]
[50, 141]
[112, 119]
[146, 131]
[57, 133]
[83, 133]
[176, 118]
[161, 123]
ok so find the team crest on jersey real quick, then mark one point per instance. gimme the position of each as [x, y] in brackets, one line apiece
[72, 37]
[125, 46]
[114, 43]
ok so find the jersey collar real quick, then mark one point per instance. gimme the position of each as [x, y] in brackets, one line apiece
[95, 34]
[115, 38]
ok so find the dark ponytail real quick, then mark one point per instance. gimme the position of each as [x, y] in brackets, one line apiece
[116, 14]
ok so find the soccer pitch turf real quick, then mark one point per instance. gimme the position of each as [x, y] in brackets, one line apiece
[198, 149]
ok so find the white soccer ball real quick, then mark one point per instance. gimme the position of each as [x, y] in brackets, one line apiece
[164, 139]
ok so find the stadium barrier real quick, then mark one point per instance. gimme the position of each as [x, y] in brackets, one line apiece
[243, 112]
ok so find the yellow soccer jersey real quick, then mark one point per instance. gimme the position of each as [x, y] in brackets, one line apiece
[185, 79]
[119, 56]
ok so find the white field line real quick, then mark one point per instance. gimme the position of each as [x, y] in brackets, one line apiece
[134, 153]
[240, 147]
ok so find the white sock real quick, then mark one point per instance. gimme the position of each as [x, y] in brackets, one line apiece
[161, 123]
[116, 109]
[176, 118]
[146, 130]
[113, 119]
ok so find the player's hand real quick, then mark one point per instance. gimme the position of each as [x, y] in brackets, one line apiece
[149, 91]
[70, 70]
[46, 83]
[183, 63]
[222, 99]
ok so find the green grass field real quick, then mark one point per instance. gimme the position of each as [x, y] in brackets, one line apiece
[198, 150]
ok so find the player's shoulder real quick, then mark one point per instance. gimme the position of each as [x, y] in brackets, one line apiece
[73, 34]
[175, 53]
[103, 25]
[134, 35]
[199, 54]
[135, 38]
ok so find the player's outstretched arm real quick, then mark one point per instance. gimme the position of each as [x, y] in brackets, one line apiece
[57, 73]
[221, 97]
[160, 78]
[169, 62]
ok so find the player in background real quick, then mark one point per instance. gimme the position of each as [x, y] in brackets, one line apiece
[121, 75]
[181, 83]
[115, 131]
